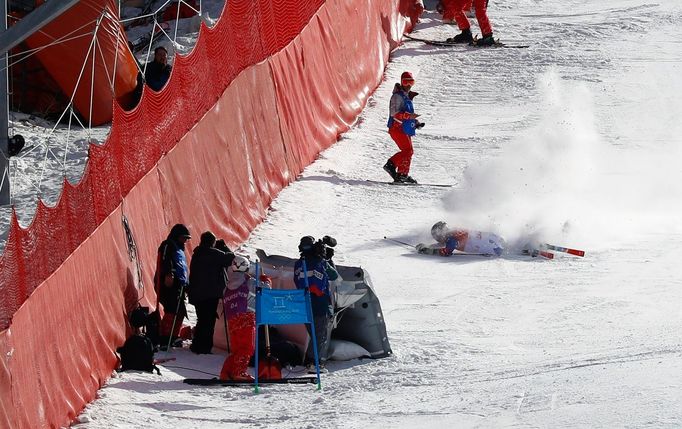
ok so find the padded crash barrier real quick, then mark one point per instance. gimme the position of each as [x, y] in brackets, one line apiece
[357, 309]
[261, 94]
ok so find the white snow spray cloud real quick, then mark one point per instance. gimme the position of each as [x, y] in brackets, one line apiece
[566, 181]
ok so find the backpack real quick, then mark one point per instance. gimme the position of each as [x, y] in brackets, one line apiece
[138, 353]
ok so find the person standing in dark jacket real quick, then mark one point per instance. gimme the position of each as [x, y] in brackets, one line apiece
[158, 71]
[207, 280]
[170, 281]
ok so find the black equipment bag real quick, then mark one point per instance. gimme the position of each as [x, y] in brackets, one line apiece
[137, 353]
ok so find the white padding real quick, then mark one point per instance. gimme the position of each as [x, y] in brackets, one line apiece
[346, 350]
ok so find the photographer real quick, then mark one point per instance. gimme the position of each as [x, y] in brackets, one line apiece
[320, 271]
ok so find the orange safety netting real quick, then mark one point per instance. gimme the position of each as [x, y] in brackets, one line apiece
[262, 93]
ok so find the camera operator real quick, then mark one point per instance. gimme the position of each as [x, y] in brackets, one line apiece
[325, 249]
[320, 271]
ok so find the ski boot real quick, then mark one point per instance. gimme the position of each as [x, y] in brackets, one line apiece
[389, 167]
[486, 40]
[464, 37]
[404, 178]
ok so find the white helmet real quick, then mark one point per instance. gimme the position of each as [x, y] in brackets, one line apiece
[438, 230]
[240, 264]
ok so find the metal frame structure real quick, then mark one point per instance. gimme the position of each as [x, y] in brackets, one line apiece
[9, 38]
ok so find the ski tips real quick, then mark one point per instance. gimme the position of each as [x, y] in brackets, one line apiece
[575, 252]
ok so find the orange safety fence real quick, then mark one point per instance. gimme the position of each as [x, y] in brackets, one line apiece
[262, 93]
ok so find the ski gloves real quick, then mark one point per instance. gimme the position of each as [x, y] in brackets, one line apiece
[428, 250]
[425, 249]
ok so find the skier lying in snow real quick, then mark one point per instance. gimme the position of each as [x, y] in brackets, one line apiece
[462, 240]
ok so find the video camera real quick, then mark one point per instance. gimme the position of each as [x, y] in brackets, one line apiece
[324, 247]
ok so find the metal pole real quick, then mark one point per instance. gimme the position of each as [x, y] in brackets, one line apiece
[34, 21]
[9, 38]
[4, 116]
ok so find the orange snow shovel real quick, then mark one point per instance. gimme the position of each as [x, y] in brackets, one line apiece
[269, 368]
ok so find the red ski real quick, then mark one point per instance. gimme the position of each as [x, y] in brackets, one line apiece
[568, 250]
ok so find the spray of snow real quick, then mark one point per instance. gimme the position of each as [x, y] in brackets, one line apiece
[535, 185]
[561, 181]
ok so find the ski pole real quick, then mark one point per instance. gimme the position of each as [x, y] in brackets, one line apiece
[568, 250]
[400, 242]
[175, 318]
[312, 325]
[258, 291]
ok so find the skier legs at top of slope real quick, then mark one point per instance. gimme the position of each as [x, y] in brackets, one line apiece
[416, 12]
[481, 6]
[402, 125]
[451, 239]
[448, 8]
[470, 10]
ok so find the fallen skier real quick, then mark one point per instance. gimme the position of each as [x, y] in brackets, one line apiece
[462, 240]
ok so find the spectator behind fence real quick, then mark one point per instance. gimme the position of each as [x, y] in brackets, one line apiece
[158, 71]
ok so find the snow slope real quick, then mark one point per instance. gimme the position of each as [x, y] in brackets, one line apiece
[575, 141]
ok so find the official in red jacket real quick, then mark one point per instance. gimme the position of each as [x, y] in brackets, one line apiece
[402, 125]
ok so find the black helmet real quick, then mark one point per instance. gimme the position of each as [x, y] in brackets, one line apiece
[438, 230]
[307, 244]
[179, 231]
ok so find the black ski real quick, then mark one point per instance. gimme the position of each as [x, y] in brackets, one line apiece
[219, 382]
[497, 44]
[438, 185]
[537, 252]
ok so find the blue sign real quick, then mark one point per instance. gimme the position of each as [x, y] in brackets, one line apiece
[282, 307]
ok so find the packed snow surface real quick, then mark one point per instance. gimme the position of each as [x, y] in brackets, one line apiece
[574, 141]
